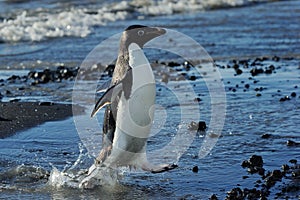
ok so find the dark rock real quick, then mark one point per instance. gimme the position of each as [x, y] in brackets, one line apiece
[261, 171]
[245, 164]
[256, 161]
[197, 99]
[275, 58]
[45, 103]
[192, 77]
[21, 88]
[235, 194]
[15, 100]
[292, 143]
[268, 71]
[202, 126]
[254, 165]
[4, 119]
[271, 67]
[173, 64]
[293, 94]
[266, 136]
[213, 197]
[258, 94]
[238, 71]
[187, 65]
[277, 175]
[256, 71]
[293, 161]
[285, 168]
[13, 77]
[195, 169]
[286, 98]
[247, 86]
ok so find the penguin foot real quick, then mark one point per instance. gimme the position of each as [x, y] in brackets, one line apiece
[164, 168]
[88, 183]
[159, 168]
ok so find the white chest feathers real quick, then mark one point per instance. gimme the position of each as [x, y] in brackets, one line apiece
[136, 114]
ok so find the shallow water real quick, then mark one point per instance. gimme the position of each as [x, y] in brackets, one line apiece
[28, 157]
[248, 117]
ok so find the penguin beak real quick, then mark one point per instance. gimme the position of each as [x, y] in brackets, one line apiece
[156, 31]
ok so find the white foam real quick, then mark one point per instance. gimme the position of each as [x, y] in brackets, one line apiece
[41, 24]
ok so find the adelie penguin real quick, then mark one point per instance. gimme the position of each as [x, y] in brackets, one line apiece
[129, 113]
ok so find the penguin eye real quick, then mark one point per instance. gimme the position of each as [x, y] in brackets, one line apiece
[140, 33]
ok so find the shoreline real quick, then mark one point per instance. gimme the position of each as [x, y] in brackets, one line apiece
[19, 116]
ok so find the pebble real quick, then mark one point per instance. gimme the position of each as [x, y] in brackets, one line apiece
[292, 143]
[213, 197]
[200, 126]
[293, 161]
[256, 71]
[192, 78]
[45, 103]
[197, 99]
[195, 169]
[275, 58]
[285, 98]
[285, 167]
[238, 71]
[173, 64]
[266, 136]
[293, 94]
[254, 165]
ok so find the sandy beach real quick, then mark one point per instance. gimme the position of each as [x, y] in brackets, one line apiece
[18, 116]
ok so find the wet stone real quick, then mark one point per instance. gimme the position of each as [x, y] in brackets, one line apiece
[173, 64]
[213, 197]
[197, 99]
[256, 161]
[293, 94]
[293, 161]
[200, 126]
[254, 165]
[266, 136]
[292, 143]
[46, 103]
[235, 193]
[286, 98]
[195, 169]
[285, 167]
[275, 58]
[14, 77]
[256, 71]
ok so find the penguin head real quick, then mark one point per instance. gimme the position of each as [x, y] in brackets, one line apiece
[140, 34]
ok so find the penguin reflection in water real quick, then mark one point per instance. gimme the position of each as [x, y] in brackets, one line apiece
[129, 113]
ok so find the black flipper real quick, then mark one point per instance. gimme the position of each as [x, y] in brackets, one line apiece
[107, 98]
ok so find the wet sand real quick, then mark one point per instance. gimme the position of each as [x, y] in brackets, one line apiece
[18, 116]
